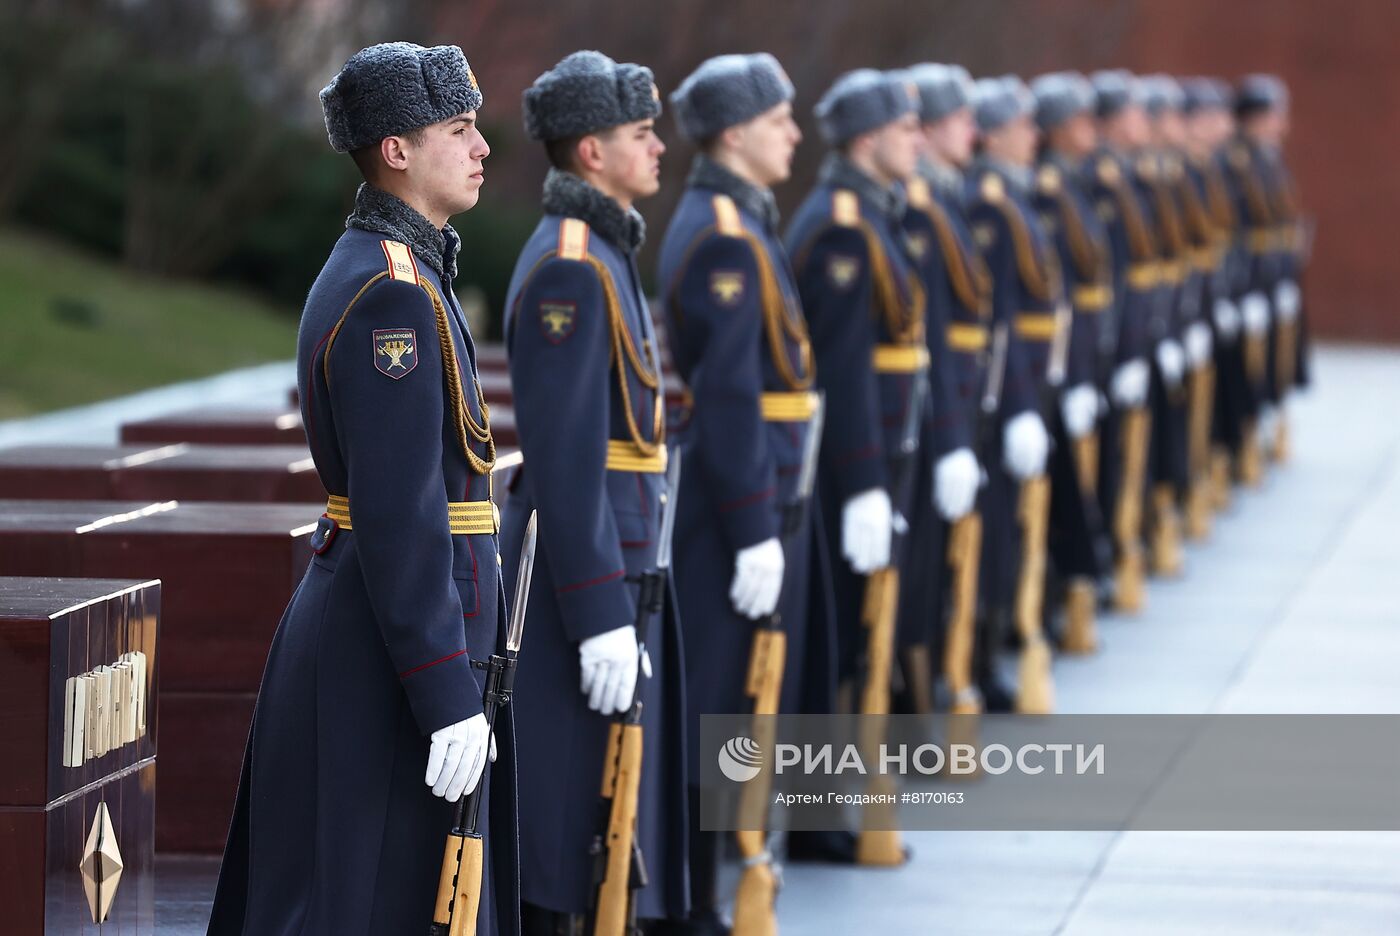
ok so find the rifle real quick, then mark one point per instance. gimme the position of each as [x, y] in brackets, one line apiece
[619, 866]
[964, 560]
[877, 843]
[459, 884]
[759, 882]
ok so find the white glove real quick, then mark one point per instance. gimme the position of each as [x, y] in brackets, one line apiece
[1227, 318]
[1129, 384]
[1198, 345]
[1288, 299]
[1080, 408]
[608, 669]
[1171, 361]
[867, 524]
[456, 756]
[1254, 309]
[758, 578]
[1026, 445]
[956, 477]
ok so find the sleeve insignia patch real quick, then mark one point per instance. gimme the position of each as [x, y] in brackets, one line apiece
[841, 270]
[395, 351]
[1106, 210]
[557, 320]
[917, 245]
[985, 235]
[1048, 180]
[727, 287]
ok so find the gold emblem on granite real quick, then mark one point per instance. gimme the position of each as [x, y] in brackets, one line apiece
[101, 866]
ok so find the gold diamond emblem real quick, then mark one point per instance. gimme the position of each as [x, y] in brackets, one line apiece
[101, 866]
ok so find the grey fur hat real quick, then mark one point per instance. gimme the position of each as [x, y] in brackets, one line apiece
[1161, 93]
[1059, 96]
[392, 88]
[588, 92]
[1204, 94]
[863, 100]
[727, 90]
[943, 89]
[998, 101]
[1260, 93]
[1115, 90]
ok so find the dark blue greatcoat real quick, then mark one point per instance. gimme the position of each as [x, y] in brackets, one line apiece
[1077, 544]
[740, 467]
[598, 531]
[832, 240]
[1025, 294]
[1167, 458]
[958, 314]
[334, 831]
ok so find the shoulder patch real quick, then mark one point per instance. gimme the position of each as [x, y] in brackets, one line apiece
[842, 270]
[402, 266]
[573, 239]
[727, 287]
[1048, 180]
[918, 193]
[991, 187]
[557, 318]
[845, 208]
[1146, 167]
[395, 350]
[1108, 171]
[727, 221]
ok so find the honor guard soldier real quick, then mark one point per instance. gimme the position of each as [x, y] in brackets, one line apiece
[1029, 308]
[1275, 242]
[739, 339]
[1065, 114]
[864, 304]
[370, 678]
[1195, 304]
[946, 537]
[1122, 125]
[586, 375]
[1156, 171]
[1209, 125]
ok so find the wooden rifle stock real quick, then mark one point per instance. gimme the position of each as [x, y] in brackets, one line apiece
[877, 843]
[1127, 513]
[758, 884]
[1200, 498]
[622, 778]
[1035, 694]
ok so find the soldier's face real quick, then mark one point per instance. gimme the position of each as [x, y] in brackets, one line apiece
[951, 139]
[766, 144]
[1079, 135]
[1015, 141]
[897, 148]
[447, 164]
[631, 159]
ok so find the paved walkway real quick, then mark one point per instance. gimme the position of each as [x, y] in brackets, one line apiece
[1293, 606]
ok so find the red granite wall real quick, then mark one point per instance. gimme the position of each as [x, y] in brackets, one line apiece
[1337, 57]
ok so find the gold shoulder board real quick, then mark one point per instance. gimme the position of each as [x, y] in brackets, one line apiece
[402, 266]
[573, 239]
[727, 216]
[845, 208]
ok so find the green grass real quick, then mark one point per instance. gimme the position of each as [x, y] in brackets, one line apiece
[79, 328]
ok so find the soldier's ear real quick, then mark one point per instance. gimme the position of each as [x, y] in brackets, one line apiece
[394, 152]
[588, 153]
